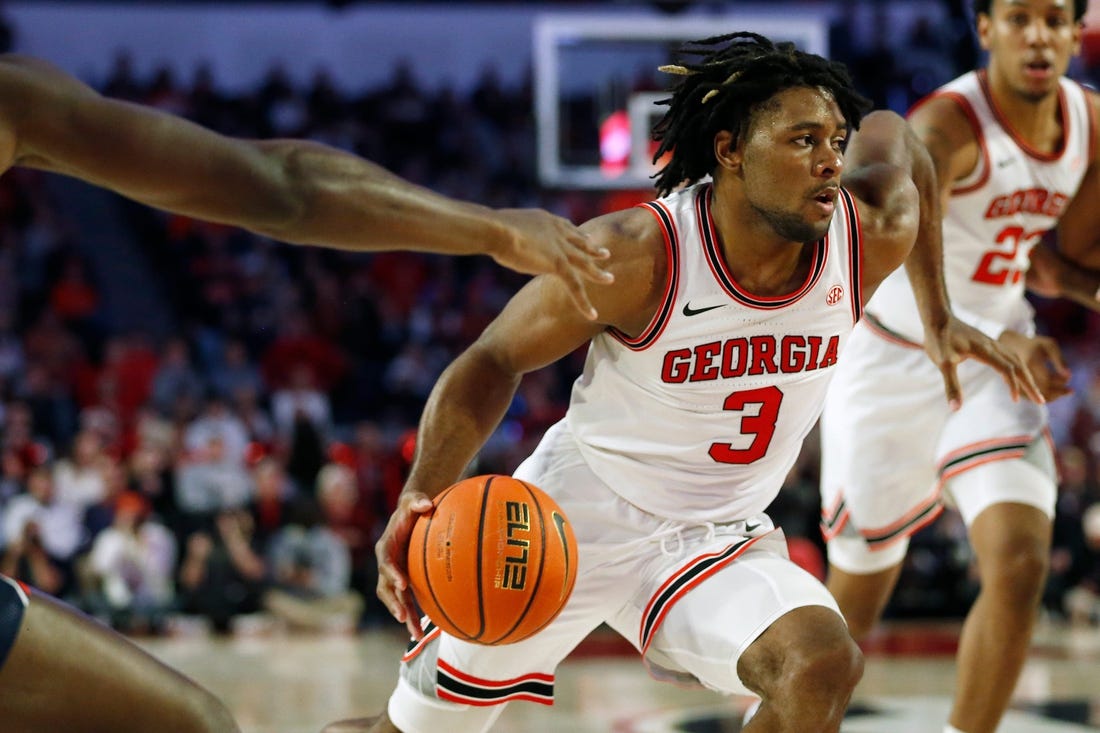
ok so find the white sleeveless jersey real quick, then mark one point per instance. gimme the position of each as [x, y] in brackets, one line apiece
[701, 417]
[998, 213]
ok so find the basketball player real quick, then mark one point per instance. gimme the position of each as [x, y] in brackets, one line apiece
[732, 301]
[1014, 146]
[58, 670]
[291, 190]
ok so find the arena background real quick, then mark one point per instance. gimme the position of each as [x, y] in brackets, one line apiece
[227, 384]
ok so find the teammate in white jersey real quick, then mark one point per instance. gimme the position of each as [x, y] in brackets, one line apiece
[732, 302]
[1014, 145]
[58, 670]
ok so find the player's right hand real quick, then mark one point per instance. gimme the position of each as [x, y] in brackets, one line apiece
[392, 550]
[543, 243]
[957, 341]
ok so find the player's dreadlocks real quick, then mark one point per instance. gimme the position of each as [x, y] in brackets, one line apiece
[735, 73]
[985, 7]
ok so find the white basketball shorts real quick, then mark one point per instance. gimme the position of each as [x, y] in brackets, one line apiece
[691, 599]
[893, 452]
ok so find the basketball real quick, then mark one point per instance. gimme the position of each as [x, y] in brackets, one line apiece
[494, 561]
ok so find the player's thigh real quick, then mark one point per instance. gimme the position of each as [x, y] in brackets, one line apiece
[995, 452]
[705, 632]
[67, 672]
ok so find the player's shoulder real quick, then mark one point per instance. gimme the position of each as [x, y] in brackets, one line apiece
[631, 229]
[639, 255]
[944, 110]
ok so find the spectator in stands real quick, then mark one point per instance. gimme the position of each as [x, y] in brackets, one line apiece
[176, 378]
[1083, 600]
[43, 533]
[217, 419]
[223, 573]
[207, 483]
[79, 476]
[132, 564]
[311, 575]
[270, 500]
[345, 514]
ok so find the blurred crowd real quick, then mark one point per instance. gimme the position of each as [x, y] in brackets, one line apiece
[235, 469]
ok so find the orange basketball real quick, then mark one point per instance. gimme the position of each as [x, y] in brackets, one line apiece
[494, 561]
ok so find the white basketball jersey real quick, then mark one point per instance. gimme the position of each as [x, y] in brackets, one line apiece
[701, 416]
[998, 213]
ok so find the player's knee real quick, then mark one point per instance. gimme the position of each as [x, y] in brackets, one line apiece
[830, 668]
[1017, 574]
[816, 671]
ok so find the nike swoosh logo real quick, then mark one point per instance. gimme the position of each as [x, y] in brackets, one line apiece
[689, 311]
[751, 527]
[559, 524]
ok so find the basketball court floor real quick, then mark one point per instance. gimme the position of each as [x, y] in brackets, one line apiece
[294, 684]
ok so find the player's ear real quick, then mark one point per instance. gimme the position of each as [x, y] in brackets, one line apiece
[983, 27]
[727, 152]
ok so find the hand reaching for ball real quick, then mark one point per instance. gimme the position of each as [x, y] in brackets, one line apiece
[392, 550]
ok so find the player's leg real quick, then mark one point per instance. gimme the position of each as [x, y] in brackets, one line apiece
[758, 624]
[66, 672]
[859, 583]
[1011, 540]
[879, 431]
[804, 668]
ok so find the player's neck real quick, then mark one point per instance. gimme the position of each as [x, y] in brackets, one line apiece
[1037, 121]
[761, 262]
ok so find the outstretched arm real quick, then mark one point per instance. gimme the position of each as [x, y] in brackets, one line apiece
[891, 171]
[291, 190]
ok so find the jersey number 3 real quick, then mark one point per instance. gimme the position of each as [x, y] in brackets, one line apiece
[760, 426]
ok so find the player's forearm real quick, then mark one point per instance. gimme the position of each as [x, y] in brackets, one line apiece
[351, 203]
[924, 266]
[1078, 284]
[465, 407]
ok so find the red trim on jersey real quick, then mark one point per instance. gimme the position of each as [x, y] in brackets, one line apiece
[656, 325]
[984, 164]
[1063, 106]
[855, 253]
[720, 269]
[1092, 124]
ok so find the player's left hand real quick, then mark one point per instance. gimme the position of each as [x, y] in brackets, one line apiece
[1044, 358]
[545, 243]
[392, 550]
[958, 341]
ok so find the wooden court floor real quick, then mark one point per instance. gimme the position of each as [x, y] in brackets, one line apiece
[278, 683]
